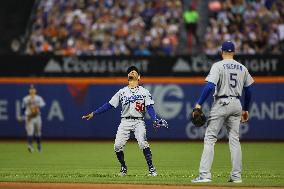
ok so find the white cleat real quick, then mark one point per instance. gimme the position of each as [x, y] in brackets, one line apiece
[235, 181]
[152, 172]
[200, 180]
[123, 171]
[30, 149]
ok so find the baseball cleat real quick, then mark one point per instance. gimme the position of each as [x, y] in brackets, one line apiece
[123, 171]
[30, 149]
[235, 181]
[39, 148]
[200, 179]
[152, 172]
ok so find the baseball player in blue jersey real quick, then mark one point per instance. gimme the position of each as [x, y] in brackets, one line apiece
[228, 77]
[32, 103]
[133, 99]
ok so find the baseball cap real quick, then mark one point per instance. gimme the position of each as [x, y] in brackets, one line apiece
[228, 46]
[131, 68]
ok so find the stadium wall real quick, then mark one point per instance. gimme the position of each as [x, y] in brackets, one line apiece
[115, 66]
[66, 102]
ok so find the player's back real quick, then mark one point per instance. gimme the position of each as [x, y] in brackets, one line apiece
[231, 77]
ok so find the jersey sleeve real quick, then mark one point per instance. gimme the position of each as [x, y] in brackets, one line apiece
[114, 101]
[148, 98]
[248, 79]
[24, 103]
[41, 102]
[213, 75]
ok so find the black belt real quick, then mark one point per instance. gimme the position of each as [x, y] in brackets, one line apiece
[134, 118]
[224, 96]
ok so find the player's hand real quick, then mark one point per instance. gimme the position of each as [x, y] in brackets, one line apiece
[245, 116]
[20, 119]
[89, 116]
[197, 106]
[158, 123]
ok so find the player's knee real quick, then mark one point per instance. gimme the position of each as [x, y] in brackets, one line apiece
[210, 139]
[143, 144]
[29, 132]
[38, 134]
[234, 139]
[118, 147]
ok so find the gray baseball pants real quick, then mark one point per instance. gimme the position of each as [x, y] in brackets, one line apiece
[123, 134]
[33, 126]
[224, 112]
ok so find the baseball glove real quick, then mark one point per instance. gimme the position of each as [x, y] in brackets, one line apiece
[34, 112]
[197, 117]
[158, 123]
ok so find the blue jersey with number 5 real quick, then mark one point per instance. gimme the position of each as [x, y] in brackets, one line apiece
[230, 77]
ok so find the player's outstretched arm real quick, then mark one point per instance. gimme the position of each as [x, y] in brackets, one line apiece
[107, 106]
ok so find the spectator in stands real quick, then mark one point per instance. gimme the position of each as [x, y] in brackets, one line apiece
[254, 25]
[105, 27]
[142, 50]
[191, 19]
[125, 27]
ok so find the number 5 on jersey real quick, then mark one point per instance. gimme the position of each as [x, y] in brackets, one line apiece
[233, 79]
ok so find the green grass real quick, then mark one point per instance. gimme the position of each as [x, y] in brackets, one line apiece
[176, 162]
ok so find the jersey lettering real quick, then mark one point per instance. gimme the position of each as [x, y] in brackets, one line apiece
[232, 66]
[126, 100]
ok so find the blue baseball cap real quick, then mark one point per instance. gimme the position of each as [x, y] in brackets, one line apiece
[228, 46]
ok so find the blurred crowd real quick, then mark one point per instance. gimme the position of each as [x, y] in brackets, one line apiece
[105, 27]
[256, 26]
[151, 27]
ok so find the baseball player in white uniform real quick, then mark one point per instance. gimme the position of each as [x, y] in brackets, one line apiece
[133, 99]
[228, 77]
[32, 103]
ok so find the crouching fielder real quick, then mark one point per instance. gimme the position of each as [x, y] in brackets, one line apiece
[133, 99]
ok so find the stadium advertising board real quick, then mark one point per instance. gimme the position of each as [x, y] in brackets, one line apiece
[66, 103]
[195, 65]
